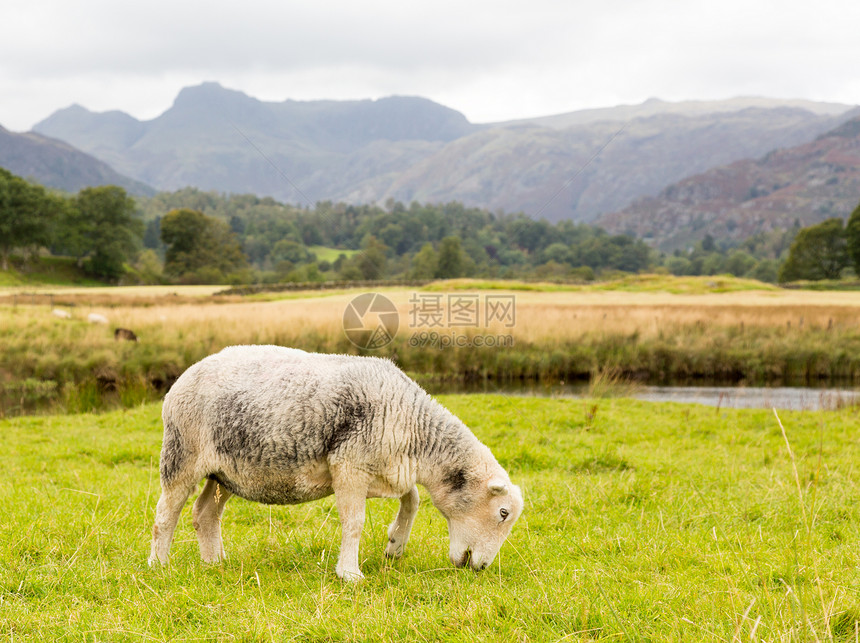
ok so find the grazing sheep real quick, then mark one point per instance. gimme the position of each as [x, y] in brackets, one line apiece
[124, 333]
[62, 314]
[95, 318]
[282, 426]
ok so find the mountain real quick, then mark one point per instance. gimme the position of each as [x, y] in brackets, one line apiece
[656, 107]
[805, 183]
[56, 164]
[554, 172]
[216, 138]
[410, 148]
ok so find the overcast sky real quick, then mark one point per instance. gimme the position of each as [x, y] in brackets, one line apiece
[490, 60]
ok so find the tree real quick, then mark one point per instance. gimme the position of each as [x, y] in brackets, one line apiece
[292, 251]
[451, 262]
[371, 260]
[529, 235]
[107, 229]
[199, 248]
[679, 266]
[852, 236]
[26, 215]
[152, 235]
[739, 263]
[424, 263]
[818, 252]
[765, 270]
[557, 252]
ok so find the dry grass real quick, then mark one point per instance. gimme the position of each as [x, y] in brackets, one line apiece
[539, 315]
[761, 336]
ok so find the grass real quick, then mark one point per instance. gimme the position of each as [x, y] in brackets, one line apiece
[659, 522]
[324, 253]
[44, 271]
[752, 336]
[630, 283]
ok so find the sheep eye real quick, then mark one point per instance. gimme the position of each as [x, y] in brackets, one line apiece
[503, 513]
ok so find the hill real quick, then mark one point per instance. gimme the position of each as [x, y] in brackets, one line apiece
[536, 169]
[410, 148]
[802, 184]
[215, 138]
[56, 164]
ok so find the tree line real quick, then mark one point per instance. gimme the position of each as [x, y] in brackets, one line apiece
[337, 241]
[824, 250]
[194, 236]
[99, 227]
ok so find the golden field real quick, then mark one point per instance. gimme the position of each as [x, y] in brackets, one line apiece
[540, 315]
[709, 330]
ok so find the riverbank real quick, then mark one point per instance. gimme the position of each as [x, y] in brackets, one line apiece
[709, 332]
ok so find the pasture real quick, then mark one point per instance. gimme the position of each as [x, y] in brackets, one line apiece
[652, 329]
[659, 522]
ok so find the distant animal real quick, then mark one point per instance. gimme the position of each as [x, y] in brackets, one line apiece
[281, 426]
[62, 314]
[95, 318]
[124, 333]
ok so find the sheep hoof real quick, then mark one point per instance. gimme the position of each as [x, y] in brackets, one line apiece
[349, 576]
[393, 550]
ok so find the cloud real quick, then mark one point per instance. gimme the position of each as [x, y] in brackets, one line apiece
[491, 60]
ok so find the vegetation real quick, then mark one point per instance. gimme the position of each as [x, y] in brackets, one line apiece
[26, 215]
[199, 249]
[642, 522]
[818, 252]
[205, 237]
[98, 226]
[101, 225]
[823, 251]
[713, 330]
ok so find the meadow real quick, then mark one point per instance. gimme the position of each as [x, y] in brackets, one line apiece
[654, 329]
[642, 522]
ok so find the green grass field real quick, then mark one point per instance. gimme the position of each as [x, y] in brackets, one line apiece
[324, 253]
[658, 522]
[45, 271]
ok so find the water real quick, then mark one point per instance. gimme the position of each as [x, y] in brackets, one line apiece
[783, 398]
[731, 397]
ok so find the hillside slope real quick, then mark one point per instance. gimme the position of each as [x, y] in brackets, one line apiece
[805, 183]
[56, 164]
[546, 171]
[410, 148]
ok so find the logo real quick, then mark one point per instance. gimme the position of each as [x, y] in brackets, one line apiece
[370, 320]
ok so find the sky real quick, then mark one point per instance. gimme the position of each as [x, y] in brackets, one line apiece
[492, 61]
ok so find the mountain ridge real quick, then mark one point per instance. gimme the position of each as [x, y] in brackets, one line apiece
[56, 164]
[410, 148]
[802, 184]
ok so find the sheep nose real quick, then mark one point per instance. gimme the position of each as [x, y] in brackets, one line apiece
[465, 559]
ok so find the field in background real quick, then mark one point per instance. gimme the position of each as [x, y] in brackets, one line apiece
[660, 522]
[706, 329]
[324, 253]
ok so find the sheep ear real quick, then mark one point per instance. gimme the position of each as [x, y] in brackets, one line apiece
[497, 486]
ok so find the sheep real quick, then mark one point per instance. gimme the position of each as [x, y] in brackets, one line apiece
[281, 426]
[95, 318]
[124, 333]
[62, 314]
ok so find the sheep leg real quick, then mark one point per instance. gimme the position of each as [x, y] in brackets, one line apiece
[350, 492]
[206, 518]
[399, 530]
[167, 513]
